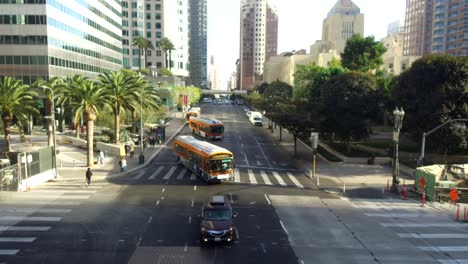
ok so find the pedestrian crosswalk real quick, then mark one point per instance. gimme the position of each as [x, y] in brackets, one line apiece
[431, 231]
[25, 216]
[242, 175]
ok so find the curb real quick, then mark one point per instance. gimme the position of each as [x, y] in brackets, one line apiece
[150, 159]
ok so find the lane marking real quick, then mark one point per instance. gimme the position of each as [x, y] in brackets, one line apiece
[252, 177]
[163, 190]
[181, 174]
[153, 176]
[454, 261]
[265, 177]
[236, 175]
[139, 175]
[401, 215]
[64, 197]
[268, 200]
[34, 210]
[8, 251]
[195, 188]
[190, 220]
[422, 225]
[30, 218]
[246, 160]
[278, 178]
[24, 228]
[17, 239]
[296, 182]
[150, 219]
[193, 202]
[415, 235]
[284, 228]
[185, 247]
[264, 156]
[157, 202]
[169, 173]
[444, 249]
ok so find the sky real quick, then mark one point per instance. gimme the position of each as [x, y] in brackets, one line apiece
[300, 25]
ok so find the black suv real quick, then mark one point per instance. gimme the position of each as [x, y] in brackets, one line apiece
[217, 220]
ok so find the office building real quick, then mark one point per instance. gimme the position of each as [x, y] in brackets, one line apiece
[133, 23]
[198, 43]
[40, 38]
[343, 20]
[258, 40]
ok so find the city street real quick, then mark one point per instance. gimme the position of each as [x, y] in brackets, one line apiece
[153, 215]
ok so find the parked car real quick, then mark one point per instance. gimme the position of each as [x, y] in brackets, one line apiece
[217, 220]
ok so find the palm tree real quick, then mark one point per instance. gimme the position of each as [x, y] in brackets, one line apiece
[143, 46]
[122, 94]
[56, 84]
[22, 112]
[13, 94]
[65, 101]
[167, 46]
[88, 99]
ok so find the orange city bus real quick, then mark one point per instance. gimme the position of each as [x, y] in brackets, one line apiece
[208, 161]
[206, 127]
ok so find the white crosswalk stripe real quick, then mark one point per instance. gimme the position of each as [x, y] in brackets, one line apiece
[139, 175]
[31, 218]
[169, 173]
[17, 239]
[279, 179]
[265, 177]
[181, 174]
[8, 251]
[252, 177]
[237, 175]
[153, 176]
[294, 180]
[24, 228]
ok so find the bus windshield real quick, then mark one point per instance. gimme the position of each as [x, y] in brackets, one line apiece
[221, 165]
[217, 129]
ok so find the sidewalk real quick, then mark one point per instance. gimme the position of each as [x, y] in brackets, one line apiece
[71, 160]
[353, 177]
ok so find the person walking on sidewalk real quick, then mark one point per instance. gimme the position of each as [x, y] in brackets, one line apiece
[123, 164]
[132, 151]
[89, 174]
[101, 157]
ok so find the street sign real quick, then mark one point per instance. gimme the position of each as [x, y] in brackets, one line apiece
[454, 195]
[314, 140]
[422, 183]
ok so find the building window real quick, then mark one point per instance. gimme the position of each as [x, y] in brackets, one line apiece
[157, 7]
[158, 25]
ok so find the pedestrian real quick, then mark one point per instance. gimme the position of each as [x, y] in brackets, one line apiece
[123, 164]
[132, 151]
[89, 174]
[101, 157]
[159, 138]
[127, 149]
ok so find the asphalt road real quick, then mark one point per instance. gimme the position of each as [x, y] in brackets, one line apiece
[152, 216]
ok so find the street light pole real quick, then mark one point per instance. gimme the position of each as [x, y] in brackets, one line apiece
[423, 141]
[398, 114]
[52, 119]
[141, 158]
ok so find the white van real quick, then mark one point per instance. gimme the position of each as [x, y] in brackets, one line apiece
[256, 118]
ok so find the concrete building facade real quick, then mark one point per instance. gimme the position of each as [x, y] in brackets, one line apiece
[258, 40]
[41, 39]
[343, 20]
[394, 60]
[198, 43]
[133, 25]
[436, 26]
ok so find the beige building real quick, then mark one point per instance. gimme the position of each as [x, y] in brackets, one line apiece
[282, 67]
[343, 20]
[394, 60]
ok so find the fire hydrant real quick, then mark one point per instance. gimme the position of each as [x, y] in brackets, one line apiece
[404, 193]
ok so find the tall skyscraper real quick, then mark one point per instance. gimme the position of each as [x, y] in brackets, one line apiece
[198, 43]
[343, 20]
[214, 76]
[161, 18]
[40, 38]
[436, 26]
[133, 22]
[258, 40]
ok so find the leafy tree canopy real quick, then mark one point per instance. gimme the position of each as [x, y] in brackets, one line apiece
[432, 91]
[278, 89]
[348, 102]
[362, 54]
[309, 78]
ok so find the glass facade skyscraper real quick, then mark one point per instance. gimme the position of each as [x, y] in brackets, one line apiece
[198, 43]
[41, 39]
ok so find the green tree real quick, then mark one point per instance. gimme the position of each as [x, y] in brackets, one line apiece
[309, 78]
[432, 91]
[123, 94]
[261, 88]
[88, 99]
[278, 89]
[143, 45]
[167, 46]
[13, 95]
[65, 101]
[348, 102]
[362, 54]
[194, 94]
[57, 85]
